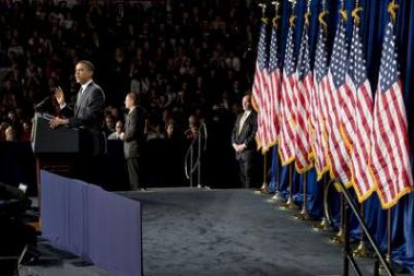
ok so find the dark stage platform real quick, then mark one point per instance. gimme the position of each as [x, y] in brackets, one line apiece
[213, 233]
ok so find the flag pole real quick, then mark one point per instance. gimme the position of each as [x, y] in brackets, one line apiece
[277, 197]
[361, 251]
[304, 215]
[389, 239]
[263, 189]
[389, 227]
[324, 224]
[290, 204]
[339, 238]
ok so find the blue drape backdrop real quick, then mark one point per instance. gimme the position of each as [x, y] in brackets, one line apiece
[374, 18]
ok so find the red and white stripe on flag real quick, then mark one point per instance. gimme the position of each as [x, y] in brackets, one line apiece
[358, 128]
[274, 91]
[338, 155]
[390, 164]
[288, 105]
[318, 107]
[260, 86]
[302, 89]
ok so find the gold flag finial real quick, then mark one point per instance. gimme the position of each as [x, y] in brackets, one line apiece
[292, 18]
[355, 14]
[392, 9]
[321, 19]
[277, 16]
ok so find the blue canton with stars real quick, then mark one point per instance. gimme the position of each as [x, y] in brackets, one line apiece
[357, 67]
[273, 59]
[304, 59]
[339, 60]
[289, 56]
[262, 53]
[321, 59]
[389, 72]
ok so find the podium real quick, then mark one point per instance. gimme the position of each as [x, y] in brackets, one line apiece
[52, 141]
[56, 150]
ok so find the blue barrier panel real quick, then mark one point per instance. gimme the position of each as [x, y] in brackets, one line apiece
[101, 227]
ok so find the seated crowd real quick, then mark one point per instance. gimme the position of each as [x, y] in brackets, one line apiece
[189, 61]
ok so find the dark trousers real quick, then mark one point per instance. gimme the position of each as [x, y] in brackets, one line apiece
[246, 169]
[134, 173]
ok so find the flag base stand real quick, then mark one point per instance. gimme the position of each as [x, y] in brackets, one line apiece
[388, 260]
[289, 205]
[361, 251]
[262, 190]
[322, 226]
[339, 238]
[277, 197]
[303, 215]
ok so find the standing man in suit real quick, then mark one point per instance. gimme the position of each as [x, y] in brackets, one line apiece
[88, 111]
[87, 115]
[133, 139]
[244, 143]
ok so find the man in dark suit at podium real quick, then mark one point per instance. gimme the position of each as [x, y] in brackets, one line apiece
[244, 143]
[88, 111]
[87, 115]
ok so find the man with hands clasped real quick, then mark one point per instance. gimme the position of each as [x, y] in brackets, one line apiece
[244, 143]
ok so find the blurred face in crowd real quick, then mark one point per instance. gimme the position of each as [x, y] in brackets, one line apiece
[10, 134]
[11, 115]
[246, 103]
[82, 73]
[170, 129]
[27, 127]
[119, 127]
[110, 123]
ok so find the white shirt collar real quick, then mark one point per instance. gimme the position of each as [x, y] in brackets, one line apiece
[86, 85]
[131, 109]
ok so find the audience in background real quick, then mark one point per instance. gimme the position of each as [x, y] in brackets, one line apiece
[118, 133]
[182, 62]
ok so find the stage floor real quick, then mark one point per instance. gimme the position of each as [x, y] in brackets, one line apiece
[216, 232]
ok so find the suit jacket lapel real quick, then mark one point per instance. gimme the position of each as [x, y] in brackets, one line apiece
[246, 122]
[82, 96]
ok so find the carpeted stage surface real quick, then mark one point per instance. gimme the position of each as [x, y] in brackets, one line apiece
[224, 232]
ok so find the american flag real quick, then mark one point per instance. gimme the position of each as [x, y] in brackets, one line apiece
[390, 164]
[361, 124]
[318, 106]
[303, 87]
[260, 86]
[338, 96]
[274, 93]
[288, 108]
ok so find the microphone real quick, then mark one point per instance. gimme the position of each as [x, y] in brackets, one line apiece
[41, 103]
